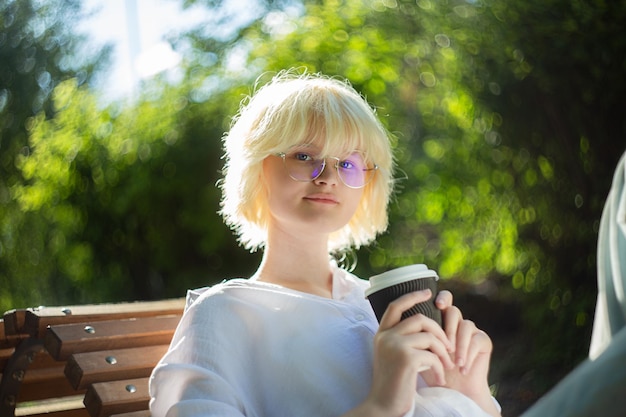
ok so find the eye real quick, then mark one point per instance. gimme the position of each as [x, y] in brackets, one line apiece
[302, 156]
[347, 164]
[354, 162]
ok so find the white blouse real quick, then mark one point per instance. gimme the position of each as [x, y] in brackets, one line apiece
[249, 348]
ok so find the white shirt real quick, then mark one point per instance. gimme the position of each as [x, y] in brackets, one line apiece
[249, 348]
[610, 315]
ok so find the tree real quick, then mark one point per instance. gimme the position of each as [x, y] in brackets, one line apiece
[128, 199]
[37, 51]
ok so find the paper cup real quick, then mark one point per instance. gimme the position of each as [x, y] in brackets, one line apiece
[388, 286]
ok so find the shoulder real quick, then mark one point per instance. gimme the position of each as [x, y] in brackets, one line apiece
[220, 311]
[238, 298]
[218, 295]
[205, 292]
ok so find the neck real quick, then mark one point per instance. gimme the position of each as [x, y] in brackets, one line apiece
[298, 265]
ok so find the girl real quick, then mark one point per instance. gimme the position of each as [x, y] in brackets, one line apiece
[308, 175]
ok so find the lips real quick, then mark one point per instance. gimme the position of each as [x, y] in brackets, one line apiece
[322, 198]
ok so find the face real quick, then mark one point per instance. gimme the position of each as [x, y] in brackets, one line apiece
[308, 208]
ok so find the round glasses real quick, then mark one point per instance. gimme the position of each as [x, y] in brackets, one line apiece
[351, 170]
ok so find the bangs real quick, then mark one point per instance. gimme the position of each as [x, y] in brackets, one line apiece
[331, 122]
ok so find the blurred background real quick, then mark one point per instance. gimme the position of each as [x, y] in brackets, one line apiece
[508, 119]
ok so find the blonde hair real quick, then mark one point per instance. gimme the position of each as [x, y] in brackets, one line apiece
[295, 109]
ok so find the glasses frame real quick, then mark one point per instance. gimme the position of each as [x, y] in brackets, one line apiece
[282, 155]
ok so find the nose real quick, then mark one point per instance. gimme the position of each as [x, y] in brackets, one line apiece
[329, 174]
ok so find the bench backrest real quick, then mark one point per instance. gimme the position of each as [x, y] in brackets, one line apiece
[90, 360]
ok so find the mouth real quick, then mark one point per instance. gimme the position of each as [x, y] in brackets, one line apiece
[322, 198]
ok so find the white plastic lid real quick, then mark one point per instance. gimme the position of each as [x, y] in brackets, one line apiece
[399, 275]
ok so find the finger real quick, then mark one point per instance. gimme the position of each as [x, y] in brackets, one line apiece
[421, 323]
[433, 366]
[481, 344]
[444, 300]
[465, 334]
[429, 342]
[452, 317]
[394, 311]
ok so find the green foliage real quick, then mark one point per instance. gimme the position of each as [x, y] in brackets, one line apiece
[413, 61]
[126, 200]
[37, 51]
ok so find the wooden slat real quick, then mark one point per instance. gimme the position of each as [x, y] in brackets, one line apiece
[13, 322]
[144, 413]
[46, 383]
[60, 407]
[42, 378]
[77, 412]
[63, 340]
[5, 355]
[37, 320]
[107, 398]
[43, 360]
[136, 334]
[20, 383]
[84, 369]
[8, 342]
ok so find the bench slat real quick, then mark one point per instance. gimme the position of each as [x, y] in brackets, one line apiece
[13, 322]
[78, 412]
[63, 340]
[5, 355]
[144, 413]
[62, 407]
[45, 383]
[37, 320]
[84, 369]
[104, 399]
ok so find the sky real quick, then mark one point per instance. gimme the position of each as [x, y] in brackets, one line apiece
[137, 29]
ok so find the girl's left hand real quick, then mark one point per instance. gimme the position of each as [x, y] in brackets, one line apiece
[471, 354]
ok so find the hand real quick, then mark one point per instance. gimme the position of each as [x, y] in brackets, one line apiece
[471, 354]
[402, 348]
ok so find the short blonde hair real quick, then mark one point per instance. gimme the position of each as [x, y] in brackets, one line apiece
[294, 109]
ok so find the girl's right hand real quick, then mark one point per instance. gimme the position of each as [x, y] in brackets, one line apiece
[402, 349]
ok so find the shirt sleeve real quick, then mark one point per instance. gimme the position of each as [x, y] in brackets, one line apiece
[445, 402]
[199, 373]
[610, 314]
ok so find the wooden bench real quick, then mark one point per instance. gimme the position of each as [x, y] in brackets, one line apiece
[79, 361]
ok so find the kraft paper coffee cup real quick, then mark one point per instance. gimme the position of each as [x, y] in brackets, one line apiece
[386, 287]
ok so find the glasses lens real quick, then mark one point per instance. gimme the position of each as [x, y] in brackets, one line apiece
[302, 166]
[353, 171]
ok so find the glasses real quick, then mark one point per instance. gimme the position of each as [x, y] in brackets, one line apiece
[352, 170]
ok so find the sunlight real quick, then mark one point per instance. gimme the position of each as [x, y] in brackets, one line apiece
[156, 59]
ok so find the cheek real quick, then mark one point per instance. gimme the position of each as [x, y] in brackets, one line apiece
[354, 200]
[277, 186]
